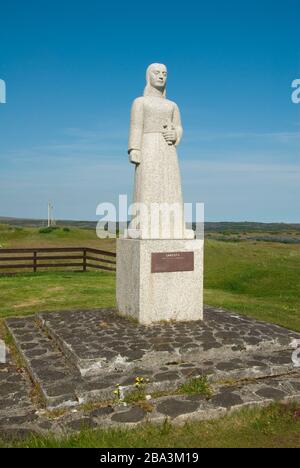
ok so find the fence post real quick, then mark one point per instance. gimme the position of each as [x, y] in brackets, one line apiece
[34, 261]
[84, 260]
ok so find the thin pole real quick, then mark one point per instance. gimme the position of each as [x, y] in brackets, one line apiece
[49, 215]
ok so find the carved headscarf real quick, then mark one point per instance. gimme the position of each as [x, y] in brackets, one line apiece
[148, 88]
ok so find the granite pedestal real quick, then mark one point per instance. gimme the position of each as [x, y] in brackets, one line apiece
[160, 280]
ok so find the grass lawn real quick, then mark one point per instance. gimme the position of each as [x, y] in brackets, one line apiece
[260, 279]
[16, 237]
[29, 293]
[274, 426]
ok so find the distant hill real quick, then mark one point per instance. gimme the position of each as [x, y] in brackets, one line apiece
[28, 222]
[223, 227]
[245, 226]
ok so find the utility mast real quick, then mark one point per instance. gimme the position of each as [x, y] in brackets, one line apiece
[51, 220]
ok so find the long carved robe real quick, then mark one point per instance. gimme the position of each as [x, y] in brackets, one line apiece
[157, 177]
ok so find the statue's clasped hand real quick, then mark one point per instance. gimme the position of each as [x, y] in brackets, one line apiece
[170, 136]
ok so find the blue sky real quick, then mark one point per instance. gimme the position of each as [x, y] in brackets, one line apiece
[72, 69]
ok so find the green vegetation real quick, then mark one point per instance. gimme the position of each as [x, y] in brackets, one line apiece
[50, 229]
[29, 293]
[261, 280]
[196, 386]
[272, 427]
[47, 230]
[192, 386]
[135, 396]
[258, 279]
[63, 236]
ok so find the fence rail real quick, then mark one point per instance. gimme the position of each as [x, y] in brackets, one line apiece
[35, 258]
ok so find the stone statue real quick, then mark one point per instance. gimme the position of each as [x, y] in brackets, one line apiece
[155, 131]
[159, 261]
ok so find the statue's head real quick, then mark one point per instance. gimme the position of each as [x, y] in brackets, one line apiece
[156, 77]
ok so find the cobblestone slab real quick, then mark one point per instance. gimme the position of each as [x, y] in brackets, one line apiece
[177, 409]
[246, 373]
[14, 390]
[18, 414]
[46, 365]
[97, 339]
[62, 385]
[169, 378]
[180, 409]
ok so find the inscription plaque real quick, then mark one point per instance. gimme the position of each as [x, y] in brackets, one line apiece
[168, 262]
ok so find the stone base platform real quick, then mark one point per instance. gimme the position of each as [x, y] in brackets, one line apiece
[75, 357]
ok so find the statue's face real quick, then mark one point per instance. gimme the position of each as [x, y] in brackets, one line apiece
[158, 76]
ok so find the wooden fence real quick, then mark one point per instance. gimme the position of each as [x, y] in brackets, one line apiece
[80, 258]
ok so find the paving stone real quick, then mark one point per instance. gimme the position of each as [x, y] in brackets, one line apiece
[173, 407]
[197, 398]
[227, 366]
[80, 424]
[195, 371]
[271, 393]
[254, 363]
[16, 434]
[166, 376]
[66, 388]
[101, 412]
[135, 414]
[280, 359]
[44, 424]
[18, 420]
[9, 388]
[226, 398]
